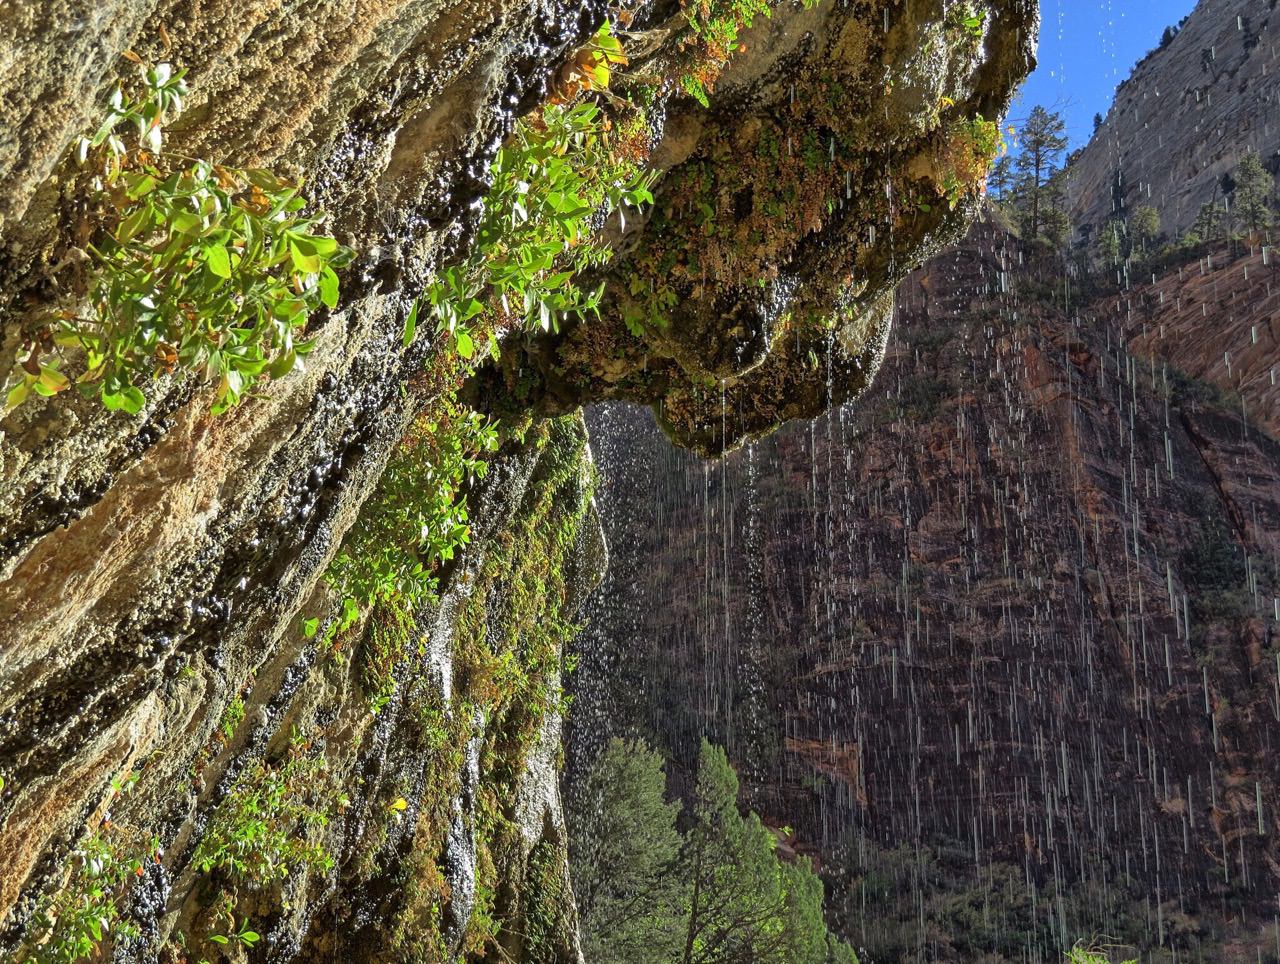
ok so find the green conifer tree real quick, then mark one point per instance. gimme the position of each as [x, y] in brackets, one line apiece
[1042, 141]
[1254, 187]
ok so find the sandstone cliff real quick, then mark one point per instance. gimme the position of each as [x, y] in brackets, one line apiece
[1182, 119]
[163, 684]
[999, 641]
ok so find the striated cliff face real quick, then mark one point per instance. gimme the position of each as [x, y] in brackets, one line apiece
[159, 572]
[999, 641]
[1179, 124]
[1216, 320]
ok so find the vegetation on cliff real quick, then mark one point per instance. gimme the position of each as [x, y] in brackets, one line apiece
[340, 705]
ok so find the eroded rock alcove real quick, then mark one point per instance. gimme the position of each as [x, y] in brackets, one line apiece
[164, 594]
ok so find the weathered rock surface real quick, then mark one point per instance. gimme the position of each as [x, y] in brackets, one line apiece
[1181, 121]
[153, 569]
[785, 218]
[1215, 319]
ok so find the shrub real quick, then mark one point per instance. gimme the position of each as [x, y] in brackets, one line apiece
[70, 925]
[553, 182]
[416, 517]
[261, 831]
[195, 266]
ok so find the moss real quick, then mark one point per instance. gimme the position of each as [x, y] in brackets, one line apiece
[507, 664]
[549, 910]
[232, 717]
[388, 644]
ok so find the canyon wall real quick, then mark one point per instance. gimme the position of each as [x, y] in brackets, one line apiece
[174, 696]
[1182, 119]
[999, 642]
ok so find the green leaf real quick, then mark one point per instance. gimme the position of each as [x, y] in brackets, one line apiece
[135, 223]
[129, 400]
[282, 365]
[218, 260]
[186, 222]
[303, 262]
[217, 938]
[309, 627]
[52, 379]
[410, 325]
[329, 287]
[140, 185]
[319, 243]
[466, 348]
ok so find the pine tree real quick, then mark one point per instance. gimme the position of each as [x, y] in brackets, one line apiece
[624, 851]
[1208, 225]
[1056, 223]
[1254, 186]
[718, 895]
[1111, 243]
[1042, 141]
[745, 906]
[1145, 226]
[1000, 180]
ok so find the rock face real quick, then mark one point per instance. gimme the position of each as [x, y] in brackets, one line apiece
[1181, 121]
[999, 641]
[786, 216]
[155, 571]
[1215, 319]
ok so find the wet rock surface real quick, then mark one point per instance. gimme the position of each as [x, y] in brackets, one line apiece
[785, 218]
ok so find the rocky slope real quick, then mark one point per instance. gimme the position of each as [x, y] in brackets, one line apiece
[1215, 319]
[1179, 124]
[1000, 641]
[158, 571]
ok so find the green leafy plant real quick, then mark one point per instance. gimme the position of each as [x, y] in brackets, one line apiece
[232, 717]
[552, 183]
[966, 19]
[415, 518]
[241, 935]
[72, 923]
[1080, 954]
[969, 149]
[262, 830]
[715, 26]
[194, 266]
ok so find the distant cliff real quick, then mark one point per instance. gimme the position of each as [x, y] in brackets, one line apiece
[1181, 121]
[999, 640]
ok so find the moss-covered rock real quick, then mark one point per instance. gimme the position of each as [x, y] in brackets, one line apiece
[158, 572]
[847, 148]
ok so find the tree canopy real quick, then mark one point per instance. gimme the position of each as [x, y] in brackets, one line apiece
[718, 893]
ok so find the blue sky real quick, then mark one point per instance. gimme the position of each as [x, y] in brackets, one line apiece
[1087, 47]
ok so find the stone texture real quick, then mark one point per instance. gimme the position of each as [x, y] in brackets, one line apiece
[1215, 319]
[1181, 120]
[784, 220]
[152, 569]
